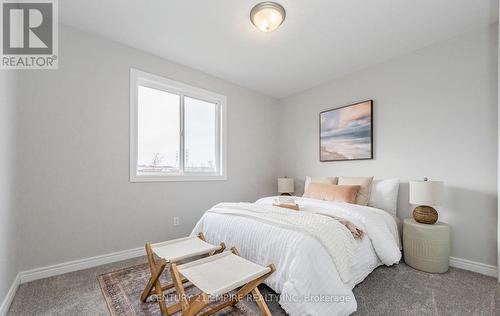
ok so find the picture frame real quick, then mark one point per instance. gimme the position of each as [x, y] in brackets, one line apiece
[346, 132]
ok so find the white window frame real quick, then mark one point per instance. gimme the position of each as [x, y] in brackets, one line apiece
[138, 77]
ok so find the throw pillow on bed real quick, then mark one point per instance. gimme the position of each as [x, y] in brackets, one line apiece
[332, 192]
[364, 182]
[323, 180]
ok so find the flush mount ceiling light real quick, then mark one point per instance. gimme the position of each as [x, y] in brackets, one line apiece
[267, 16]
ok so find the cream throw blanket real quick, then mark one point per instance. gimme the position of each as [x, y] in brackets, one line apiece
[334, 236]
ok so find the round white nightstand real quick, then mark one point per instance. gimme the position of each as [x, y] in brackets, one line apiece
[426, 247]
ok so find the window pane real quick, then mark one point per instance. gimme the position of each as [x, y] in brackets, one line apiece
[158, 130]
[199, 135]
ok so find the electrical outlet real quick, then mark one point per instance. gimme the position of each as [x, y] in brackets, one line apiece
[176, 221]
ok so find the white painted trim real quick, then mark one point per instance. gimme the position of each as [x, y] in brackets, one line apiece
[7, 301]
[474, 266]
[81, 264]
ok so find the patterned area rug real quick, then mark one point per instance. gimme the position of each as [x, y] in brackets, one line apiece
[122, 290]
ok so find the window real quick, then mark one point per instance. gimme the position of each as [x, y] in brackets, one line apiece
[177, 132]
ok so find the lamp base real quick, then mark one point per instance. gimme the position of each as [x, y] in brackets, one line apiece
[425, 214]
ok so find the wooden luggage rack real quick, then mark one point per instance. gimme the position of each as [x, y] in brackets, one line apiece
[170, 252]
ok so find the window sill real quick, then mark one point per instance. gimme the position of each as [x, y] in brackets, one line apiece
[139, 179]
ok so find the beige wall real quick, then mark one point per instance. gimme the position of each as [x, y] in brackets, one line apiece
[75, 197]
[498, 142]
[435, 115]
[8, 253]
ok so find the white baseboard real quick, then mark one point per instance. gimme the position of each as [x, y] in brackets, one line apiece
[70, 266]
[4, 308]
[474, 266]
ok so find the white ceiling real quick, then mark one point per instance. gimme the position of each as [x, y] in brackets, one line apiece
[320, 39]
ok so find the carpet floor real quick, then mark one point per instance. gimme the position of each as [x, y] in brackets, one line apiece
[398, 290]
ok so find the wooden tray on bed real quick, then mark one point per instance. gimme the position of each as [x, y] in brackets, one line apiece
[294, 207]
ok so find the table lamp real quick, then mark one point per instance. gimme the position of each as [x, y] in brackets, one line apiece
[426, 194]
[285, 186]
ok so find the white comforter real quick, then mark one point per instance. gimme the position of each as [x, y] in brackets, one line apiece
[306, 277]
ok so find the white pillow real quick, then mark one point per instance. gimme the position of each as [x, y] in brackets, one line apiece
[384, 195]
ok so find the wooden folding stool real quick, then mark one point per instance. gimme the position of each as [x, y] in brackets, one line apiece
[170, 252]
[218, 275]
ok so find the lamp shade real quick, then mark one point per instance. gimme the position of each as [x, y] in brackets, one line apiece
[428, 193]
[285, 185]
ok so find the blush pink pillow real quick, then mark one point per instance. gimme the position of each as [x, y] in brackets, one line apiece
[332, 192]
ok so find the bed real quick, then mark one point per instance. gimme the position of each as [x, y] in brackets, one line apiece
[317, 263]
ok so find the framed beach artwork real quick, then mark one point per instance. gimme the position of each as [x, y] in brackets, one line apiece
[346, 133]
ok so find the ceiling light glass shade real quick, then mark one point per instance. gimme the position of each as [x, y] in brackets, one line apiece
[267, 16]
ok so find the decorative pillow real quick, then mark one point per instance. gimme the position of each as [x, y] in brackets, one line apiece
[364, 182]
[332, 192]
[323, 180]
[384, 195]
